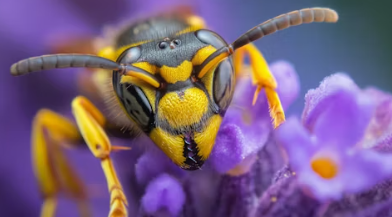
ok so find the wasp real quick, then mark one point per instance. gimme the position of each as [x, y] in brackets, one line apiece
[172, 79]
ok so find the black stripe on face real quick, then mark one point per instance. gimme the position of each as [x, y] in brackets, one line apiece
[191, 153]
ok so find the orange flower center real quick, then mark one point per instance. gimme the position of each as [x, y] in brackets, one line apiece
[325, 167]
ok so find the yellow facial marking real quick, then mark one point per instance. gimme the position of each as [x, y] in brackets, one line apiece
[172, 146]
[181, 109]
[202, 54]
[205, 140]
[147, 67]
[108, 53]
[179, 73]
[324, 167]
[147, 89]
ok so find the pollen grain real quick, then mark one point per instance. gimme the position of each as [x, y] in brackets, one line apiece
[325, 167]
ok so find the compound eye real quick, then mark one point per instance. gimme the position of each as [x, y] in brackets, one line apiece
[138, 106]
[163, 45]
[224, 83]
[130, 55]
[210, 38]
[135, 103]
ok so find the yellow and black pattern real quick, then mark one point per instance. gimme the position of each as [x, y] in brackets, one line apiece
[182, 116]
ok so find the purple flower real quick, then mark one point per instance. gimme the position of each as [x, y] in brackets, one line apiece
[152, 163]
[380, 126]
[269, 161]
[323, 150]
[382, 209]
[364, 203]
[164, 193]
[285, 198]
[379, 132]
[244, 194]
[236, 196]
[245, 128]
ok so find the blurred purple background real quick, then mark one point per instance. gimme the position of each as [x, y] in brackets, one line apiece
[359, 44]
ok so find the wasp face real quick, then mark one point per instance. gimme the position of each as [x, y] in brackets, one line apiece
[183, 116]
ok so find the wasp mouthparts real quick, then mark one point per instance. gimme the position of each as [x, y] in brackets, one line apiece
[192, 160]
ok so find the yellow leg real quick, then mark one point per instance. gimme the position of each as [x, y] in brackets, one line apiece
[52, 170]
[90, 121]
[262, 78]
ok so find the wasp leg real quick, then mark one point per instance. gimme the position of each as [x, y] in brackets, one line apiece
[262, 78]
[91, 121]
[51, 168]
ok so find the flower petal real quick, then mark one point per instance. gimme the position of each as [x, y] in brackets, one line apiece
[381, 123]
[327, 87]
[287, 80]
[227, 152]
[343, 118]
[237, 140]
[368, 167]
[358, 172]
[296, 141]
[164, 192]
[319, 188]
